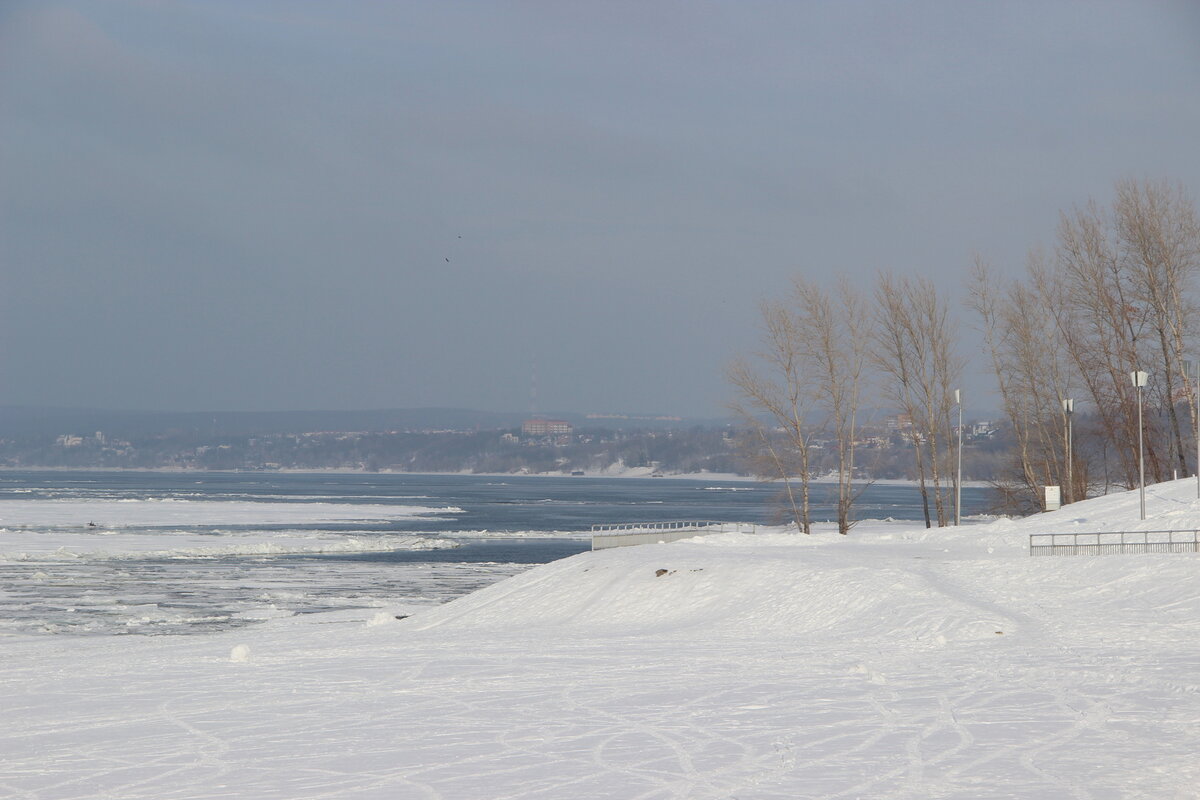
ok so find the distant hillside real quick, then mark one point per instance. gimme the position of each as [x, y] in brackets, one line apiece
[26, 421]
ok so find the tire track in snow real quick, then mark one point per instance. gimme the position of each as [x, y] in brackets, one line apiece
[1067, 702]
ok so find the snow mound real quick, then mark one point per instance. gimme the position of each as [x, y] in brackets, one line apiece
[729, 591]
[873, 584]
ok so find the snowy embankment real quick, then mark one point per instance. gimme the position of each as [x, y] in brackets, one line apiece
[890, 663]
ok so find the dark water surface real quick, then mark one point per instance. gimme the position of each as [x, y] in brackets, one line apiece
[505, 504]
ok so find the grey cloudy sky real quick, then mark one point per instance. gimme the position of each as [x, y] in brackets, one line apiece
[236, 205]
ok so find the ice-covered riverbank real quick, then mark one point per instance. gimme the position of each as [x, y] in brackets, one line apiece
[896, 662]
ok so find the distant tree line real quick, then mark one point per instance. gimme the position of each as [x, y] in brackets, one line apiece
[712, 449]
[699, 449]
[1116, 296]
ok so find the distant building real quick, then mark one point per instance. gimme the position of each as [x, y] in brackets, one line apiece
[545, 427]
[899, 422]
[983, 428]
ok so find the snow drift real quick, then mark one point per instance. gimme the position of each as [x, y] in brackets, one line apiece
[894, 662]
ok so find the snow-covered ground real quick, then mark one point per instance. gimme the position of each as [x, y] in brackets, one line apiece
[895, 662]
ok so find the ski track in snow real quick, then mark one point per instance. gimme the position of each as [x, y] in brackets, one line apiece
[770, 668]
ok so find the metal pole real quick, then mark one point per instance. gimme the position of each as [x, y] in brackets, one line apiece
[1069, 410]
[1139, 380]
[958, 477]
[1141, 458]
[1191, 369]
[1071, 457]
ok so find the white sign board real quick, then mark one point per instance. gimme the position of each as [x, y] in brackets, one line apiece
[1053, 498]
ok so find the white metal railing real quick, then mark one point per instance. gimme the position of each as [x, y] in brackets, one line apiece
[625, 534]
[1113, 542]
[652, 527]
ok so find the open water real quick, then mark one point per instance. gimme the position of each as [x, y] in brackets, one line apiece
[474, 531]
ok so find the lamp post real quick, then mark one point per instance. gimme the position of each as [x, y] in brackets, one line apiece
[958, 476]
[1191, 369]
[1068, 405]
[1139, 381]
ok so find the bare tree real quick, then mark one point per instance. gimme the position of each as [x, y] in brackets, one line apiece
[914, 349]
[1128, 278]
[895, 354]
[835, 334]
[1103, 328]
[938, 371]
[812, 364]
[774, 401]
[1117, 297]
[1033, 379]
[1158, 237]
[1058, 375]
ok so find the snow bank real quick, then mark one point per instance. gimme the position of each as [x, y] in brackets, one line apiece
[894, 662]
[905, 590]
[780, 581]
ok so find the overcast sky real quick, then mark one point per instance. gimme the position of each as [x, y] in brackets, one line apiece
[238, 205]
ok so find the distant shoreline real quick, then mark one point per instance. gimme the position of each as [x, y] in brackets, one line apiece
[628, 474]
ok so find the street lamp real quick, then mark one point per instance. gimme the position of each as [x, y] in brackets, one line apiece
[1190, 370]
[1139, 381]
[1068, 405]
[958, 478]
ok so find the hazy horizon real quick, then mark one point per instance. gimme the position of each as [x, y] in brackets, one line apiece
[481, 410]
[308, 206]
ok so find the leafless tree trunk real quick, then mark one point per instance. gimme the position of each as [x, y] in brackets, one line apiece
[1129, 278]
[835, 331]
[779, 396]
[1032, 377]
[937, 372]
[895, 354]
[1101, 326]
[1158, 237]
[914, 348]
[1119, 297]
[813, 360]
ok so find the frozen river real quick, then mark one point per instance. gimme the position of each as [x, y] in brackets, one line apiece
[169, 553]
